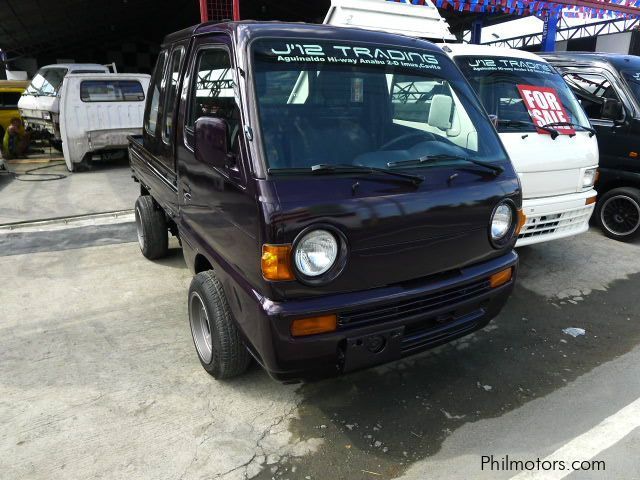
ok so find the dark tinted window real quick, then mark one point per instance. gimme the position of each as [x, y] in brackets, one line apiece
[154, 89]
[9, 99]
[213, 92]
[172, 93]
[591, 89]
[496, 81]
[343, 103]
[111, 91]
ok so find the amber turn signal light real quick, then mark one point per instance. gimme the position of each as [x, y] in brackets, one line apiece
[276, 262]
[314, 325]
[522, 219]
[500, 278]
[591, 200]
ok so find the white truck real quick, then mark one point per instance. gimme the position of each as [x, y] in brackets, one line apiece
[546, 133]
[557, 163]
[39, 104]
[97, 114]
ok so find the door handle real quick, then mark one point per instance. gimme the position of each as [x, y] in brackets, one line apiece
[187, 193]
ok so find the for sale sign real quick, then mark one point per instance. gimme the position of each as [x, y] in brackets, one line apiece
[544, 107]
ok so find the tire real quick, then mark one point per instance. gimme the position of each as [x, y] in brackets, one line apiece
[215, 335]
[151, 226]
[618, 213]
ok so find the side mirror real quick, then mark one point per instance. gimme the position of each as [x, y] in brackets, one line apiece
[612, 109]
[212, 141]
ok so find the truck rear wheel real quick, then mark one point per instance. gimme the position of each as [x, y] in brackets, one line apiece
[618, 213]
[215, 334]
[151, 226]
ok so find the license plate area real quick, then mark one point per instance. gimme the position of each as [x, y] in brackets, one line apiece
[373, 349]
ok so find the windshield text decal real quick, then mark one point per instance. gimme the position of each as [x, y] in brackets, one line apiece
[508, 65]
[296, 52]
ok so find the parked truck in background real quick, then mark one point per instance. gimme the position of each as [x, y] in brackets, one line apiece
[545, 131]
[608, 87]
[325, 232]
[40, 103]
[97, 112]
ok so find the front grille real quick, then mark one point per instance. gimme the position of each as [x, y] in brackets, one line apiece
[415, 308]
[426, 335]
[543, 225]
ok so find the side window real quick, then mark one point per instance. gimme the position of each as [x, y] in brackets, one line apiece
[212, 92]
[172, 93]
[9, 100]
[591, 89]
[154, 88]
[111, 91]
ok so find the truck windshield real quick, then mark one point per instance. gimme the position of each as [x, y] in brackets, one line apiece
[496, 80]
[353, 104]
[46, 82]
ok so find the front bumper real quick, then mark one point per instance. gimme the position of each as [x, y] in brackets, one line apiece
[551, 218]
[410, 317]
[43, 128]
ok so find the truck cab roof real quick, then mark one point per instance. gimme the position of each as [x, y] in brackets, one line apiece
[77, 66]
[617, 60]
[246, 30]
[458, 49]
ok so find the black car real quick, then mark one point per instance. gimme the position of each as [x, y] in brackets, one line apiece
[608, 86]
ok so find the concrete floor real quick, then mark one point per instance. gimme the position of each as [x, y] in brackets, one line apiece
[99, 379]
[106, 187]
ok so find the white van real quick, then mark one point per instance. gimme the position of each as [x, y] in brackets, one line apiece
[545, 131]
[557, 165]
[39, 104]
[98, 113]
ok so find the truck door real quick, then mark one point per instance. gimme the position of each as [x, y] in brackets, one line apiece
[592, 87]
[216, 208]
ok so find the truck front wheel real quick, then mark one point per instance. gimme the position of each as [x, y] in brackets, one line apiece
[215, 334]
[618, 213]
[151, 226]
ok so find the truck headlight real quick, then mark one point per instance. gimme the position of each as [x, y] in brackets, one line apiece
[589, 177]
[502, 224]
[316, 253]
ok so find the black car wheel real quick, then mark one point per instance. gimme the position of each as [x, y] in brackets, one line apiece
[151, 227]
[215, 334]
[618, 213]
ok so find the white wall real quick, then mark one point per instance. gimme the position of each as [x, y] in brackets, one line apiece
[614, 43]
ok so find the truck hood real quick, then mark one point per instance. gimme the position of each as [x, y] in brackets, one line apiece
[396, 232]
[29, 103]
[550, 167]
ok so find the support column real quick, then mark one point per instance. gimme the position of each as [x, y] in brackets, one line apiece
[476, 30]
[549, 30]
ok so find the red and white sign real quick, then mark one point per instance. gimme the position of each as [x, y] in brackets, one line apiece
[544, 107]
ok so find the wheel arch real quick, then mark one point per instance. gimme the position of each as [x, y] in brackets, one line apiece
[201, 264]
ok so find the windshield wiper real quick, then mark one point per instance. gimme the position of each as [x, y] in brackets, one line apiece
[496, 169]
[346, 168]
[591, 131]
[520, 123]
